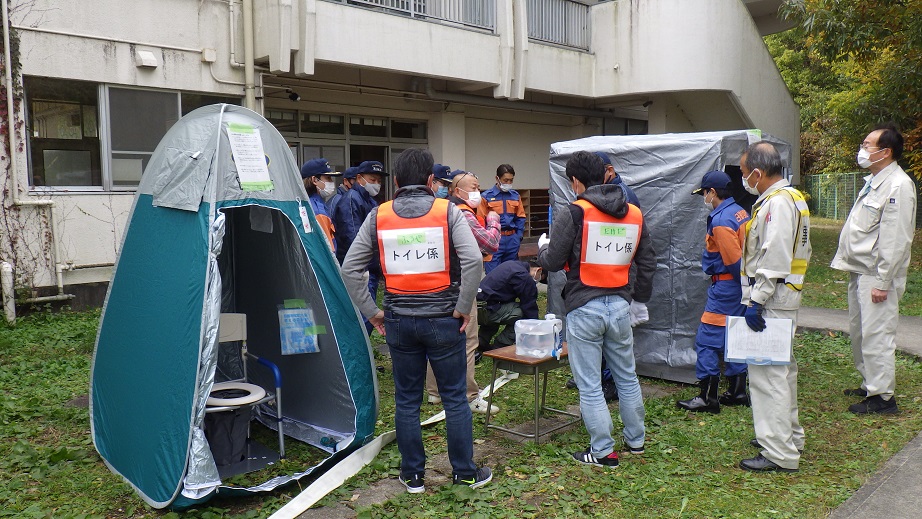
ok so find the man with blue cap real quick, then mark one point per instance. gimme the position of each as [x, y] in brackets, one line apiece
[351, 212]
[348, 180]
[317, 176]
[612, 177]
[441, 180]
[726, 227]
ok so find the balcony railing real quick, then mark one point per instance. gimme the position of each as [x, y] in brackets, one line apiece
[473, 13]
[562, 22]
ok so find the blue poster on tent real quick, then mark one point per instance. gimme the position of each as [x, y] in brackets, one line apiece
[298, 331]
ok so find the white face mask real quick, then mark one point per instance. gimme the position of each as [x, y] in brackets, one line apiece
[328, 190]
[473, 198]
[505, 188]
[373, 189]
[749, 189]
[708, 203]
[864, 159]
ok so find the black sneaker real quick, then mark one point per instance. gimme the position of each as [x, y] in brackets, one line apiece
[633, 450]
[571, 384]
[480, 478]
[856, 392]
[413, 483]
[610, 391]
[875, 405]
[587, 458]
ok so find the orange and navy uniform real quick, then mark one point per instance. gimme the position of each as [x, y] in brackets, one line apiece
[720, 260]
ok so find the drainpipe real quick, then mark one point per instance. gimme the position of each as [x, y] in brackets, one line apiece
[9, 297]
[249, 52]
[14, 170]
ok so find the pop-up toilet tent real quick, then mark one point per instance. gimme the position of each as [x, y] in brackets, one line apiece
[221, 223]
[663, 170]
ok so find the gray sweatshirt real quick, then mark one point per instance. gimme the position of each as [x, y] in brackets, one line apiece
[465, 262]
[566, 247]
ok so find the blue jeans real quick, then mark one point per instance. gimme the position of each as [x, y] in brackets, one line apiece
[602, 327]
[413, 340]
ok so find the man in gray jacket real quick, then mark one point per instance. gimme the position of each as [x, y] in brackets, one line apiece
[431, 266]
[599, 236]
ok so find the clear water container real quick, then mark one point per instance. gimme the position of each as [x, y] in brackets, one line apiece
[536, 337]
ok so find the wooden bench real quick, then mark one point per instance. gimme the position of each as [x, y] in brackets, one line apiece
[506, 358]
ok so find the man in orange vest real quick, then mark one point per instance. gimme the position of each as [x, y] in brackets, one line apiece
[431, 266]
[598, 237]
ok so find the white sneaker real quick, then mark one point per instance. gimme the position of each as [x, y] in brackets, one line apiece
[433, 399]
[510, 375]
[479, 405]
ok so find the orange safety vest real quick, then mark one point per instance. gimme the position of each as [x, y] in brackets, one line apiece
[608, 246]
[480, 220]
[414, 251]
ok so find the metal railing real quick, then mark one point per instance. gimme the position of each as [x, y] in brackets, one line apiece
[472, 13]
[832, 195]
[562, 22]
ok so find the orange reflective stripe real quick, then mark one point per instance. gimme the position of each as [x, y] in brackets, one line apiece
[414, 251]
[608, 246]
[714, 319]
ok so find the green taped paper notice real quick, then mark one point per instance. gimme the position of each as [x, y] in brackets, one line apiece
[257, 186]
[240, 127]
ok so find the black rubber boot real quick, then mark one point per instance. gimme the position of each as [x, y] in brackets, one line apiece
[736, 391]
[707, 401]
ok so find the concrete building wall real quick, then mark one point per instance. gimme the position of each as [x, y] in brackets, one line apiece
[681, 65]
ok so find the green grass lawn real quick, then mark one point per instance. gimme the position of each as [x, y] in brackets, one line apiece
[48, 467]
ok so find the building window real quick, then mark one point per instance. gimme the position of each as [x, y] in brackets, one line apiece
[138, 119]
[285, 121]
[415, 130]
[62, 132]
[323, 124]
[76, 142]
[368, 126]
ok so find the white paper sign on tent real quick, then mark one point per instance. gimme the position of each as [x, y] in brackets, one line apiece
[249, 157]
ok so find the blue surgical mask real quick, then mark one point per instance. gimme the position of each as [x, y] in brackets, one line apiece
[441, 192]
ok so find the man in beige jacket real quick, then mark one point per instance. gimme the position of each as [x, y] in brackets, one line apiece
[874, 249]
[775, 256]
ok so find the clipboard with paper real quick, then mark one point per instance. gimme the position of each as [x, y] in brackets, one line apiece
[770, 346]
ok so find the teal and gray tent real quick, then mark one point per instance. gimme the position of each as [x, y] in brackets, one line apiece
[221, 223]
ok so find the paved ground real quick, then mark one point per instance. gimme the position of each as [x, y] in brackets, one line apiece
[894, 492]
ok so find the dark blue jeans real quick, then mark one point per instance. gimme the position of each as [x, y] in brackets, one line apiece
[413, 340]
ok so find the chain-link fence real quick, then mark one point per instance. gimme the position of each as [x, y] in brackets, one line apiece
[832, 195]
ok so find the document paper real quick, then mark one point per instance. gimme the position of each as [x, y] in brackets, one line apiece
[770, 346]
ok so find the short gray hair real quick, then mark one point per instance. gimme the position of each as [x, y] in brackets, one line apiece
[763, 156]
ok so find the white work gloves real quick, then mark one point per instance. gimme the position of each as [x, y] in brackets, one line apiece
[639, 313]
[543, 240]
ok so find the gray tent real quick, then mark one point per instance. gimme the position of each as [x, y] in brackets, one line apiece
[663, 170]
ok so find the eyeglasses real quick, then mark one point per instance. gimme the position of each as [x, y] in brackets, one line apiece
[865, 147]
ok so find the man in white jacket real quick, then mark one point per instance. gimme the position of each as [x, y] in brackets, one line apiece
[874, 249]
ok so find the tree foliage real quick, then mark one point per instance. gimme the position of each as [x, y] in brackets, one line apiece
[852, 64]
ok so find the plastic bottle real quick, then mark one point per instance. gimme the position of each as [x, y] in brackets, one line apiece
[558, 337]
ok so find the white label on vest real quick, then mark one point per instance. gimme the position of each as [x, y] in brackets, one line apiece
[610, 243]
[413, 251]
